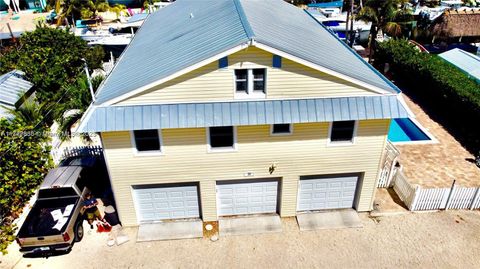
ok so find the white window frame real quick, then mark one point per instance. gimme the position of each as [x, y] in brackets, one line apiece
[233, 148]
[250, 94]
[147, 152]
[342, 143]
[281, 134]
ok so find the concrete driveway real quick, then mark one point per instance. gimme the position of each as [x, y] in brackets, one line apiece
[421, 240]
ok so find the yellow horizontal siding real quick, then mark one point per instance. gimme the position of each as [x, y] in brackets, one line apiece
[209, 83]
[186, 159]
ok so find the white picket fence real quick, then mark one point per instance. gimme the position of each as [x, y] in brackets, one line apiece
[403, 188]
[389, 161]
[417, 198]
[62, 153]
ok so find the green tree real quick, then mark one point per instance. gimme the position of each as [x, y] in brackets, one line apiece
[386, 15]
[50, 58]
[24, 161]
[30, 113]
[77, 101]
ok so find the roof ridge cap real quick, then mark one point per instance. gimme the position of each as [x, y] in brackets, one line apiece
[243, 18]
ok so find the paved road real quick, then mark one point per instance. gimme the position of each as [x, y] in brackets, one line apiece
[422, 240]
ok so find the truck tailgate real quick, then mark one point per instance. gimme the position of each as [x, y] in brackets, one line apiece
[47, 220]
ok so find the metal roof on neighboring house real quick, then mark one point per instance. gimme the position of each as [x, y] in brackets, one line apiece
[189, 32]
[124, 118]
[12, 88]
[465, 61]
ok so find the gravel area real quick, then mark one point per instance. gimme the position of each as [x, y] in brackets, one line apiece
[448, 239]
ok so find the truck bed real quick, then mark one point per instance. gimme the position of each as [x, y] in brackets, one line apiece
[40, 221]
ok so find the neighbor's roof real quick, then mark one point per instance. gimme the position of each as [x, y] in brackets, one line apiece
[189, 32]
[124, 118]
[465, 61]
[457, 23]
[12, 87]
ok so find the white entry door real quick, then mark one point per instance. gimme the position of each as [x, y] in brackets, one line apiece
[242, 198]
[161, 203]
[326, 193]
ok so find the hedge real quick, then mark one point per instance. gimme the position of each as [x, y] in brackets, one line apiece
[24, 161]
[449, 91]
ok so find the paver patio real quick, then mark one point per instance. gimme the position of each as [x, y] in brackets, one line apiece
[437, 165]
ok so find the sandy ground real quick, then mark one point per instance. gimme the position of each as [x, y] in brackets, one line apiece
[414, 240]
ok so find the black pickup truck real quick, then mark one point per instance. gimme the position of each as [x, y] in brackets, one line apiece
[55, 221]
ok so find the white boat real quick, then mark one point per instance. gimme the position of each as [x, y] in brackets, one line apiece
[91, 35]
[114, 40]
[338, 24]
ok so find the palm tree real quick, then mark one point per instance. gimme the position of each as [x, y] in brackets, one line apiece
[29, 113]
[385, 15]
[77, 102]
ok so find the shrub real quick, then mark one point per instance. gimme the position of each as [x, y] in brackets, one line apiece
[24, 161]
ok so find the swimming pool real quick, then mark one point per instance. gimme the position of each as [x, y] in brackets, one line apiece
[407, 130]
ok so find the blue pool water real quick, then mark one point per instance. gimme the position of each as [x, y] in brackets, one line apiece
[404, 130]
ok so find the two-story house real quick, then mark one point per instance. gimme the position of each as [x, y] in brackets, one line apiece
[233, 107]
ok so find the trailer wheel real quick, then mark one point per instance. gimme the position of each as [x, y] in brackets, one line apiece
[79, 231]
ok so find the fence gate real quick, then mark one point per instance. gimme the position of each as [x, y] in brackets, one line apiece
[388, 169]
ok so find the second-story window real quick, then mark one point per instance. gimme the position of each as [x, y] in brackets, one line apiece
[342, 131]
[250, 83]
[221, 138]
[147, 140]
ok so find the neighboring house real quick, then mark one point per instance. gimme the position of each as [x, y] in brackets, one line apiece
[221, 108]
[459, 25]
[465, 61]
[13, 88]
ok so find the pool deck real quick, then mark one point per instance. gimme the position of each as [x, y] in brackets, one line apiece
[437, 165]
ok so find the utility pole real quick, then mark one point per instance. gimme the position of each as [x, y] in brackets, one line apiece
[11, 33]
[352, 18]
[88, 78]
[347, 34]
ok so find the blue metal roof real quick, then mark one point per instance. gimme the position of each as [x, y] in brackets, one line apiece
[123, 118]
[188, 31]
[172, 39]
[465, 61]
[12, 87]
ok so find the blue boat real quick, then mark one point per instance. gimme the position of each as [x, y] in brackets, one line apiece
[127, 3]
[326, 4]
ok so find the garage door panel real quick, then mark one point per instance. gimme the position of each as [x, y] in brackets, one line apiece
[160, 203]
[327, 193]
[247, 198]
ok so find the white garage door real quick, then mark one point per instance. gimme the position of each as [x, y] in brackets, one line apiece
[327, 193]
[160, 203]
[247, 198]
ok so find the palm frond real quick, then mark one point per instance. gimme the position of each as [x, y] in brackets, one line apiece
[393, 29]
[367, 14]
